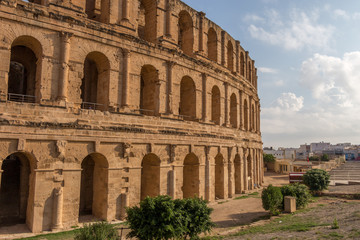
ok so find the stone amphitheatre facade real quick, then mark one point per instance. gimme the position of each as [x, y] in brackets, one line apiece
[105, 102]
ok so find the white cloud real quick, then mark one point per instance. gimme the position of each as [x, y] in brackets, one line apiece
[333, 113]
[300, 30]
[290, 102]
[341, 13]
[267, 70]
[253, 18]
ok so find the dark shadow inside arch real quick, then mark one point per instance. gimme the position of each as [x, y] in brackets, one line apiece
[219, 177]
[191, 176]
[14, 189]
[150, 176]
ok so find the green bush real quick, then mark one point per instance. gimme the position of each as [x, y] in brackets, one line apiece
[197, 215]
[272, 199]
[300, 191]
[317, 180]
[97, 231]
[164, 218]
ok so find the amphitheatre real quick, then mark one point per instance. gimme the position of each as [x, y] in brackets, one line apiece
[105, 102]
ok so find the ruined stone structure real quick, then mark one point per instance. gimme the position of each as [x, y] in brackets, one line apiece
[105, 102]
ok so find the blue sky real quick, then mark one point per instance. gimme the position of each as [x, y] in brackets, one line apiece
[308, 58]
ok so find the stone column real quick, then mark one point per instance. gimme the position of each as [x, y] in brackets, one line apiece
[247, 66]
[168, 25]
[230, 179]
[204, 95]
[64, 69]
[125, 200]
[237, 62]
[169, 101]
[207, 175]
[125, 10]
[58, 208]
[245, 154]
[226, 104]
[126, 76]
[201, 31]
[223, 48]
[172, 182]
[157, 94]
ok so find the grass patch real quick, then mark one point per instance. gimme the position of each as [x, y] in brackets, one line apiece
[241, 197]
[333, 235]
[55, 236]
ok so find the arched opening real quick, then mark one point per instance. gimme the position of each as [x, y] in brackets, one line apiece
[219, 177]
[233, 111]
[147, 24]
[94, 187]
[212, 45]
[14, 189]
[187, 99]
[215, 105]
[25, 70]
[242, 64]
[95, 84]
[230, 56]
[191, 176]
[246, 115]
[237, 165]
[149, 97]
[98, 10]
[150, 176]
[186, 35]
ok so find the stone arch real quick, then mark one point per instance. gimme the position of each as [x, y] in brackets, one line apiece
[149, 97]
[147, 24]
[212, 45]
[191, 176]
[95, 83]
[230, 56]
[15, 183]
[233, 111]
[242, 64]
[219, 177]
[246, 115]
[187, 106]
[25, 69]
[98, 10]
[238, 180]
[215, 105]
[186, 33]
[150, 176]
[94, 186]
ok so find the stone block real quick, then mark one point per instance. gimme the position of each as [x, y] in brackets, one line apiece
[290, 204]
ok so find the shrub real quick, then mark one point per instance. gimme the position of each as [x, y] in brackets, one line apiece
[97, 231]
[317, 179]
[335, 224]
[272, 199]
[164, 218]
[269, 158]
[300, 191]
[197, 216]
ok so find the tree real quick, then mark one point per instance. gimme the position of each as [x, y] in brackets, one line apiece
[269, 158]
[317, 180]
[314, 158]
[325, 158]
[272, 199]
[163, 218]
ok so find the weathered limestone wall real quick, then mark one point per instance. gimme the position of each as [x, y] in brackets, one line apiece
[137, 87]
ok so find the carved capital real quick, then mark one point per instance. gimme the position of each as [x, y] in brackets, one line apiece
[61, 148]
[21, 144]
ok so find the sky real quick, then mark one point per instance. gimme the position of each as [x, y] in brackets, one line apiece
[308, 58]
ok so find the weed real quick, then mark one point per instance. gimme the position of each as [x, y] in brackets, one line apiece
[241, 197]
[335, 224]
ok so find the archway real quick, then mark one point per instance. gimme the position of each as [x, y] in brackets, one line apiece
[191, 176]
[94, 186]
[250, 172]
[230, 56]
[212, 45]
[233, 111]
[148, 96]
[186, 35]
[187, 98]
[25, 69]
[147, 23]
[14, 189]
[150, 176]
[98, 10]
[219, 177]
[215, 105]
[238, 180]
[95, 84]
